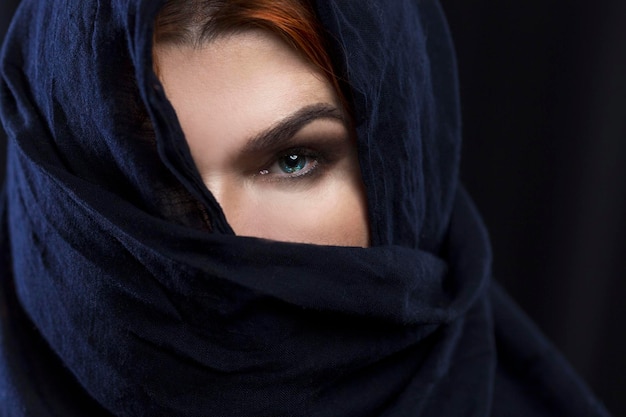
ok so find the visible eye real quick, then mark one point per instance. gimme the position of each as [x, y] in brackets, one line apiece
[293, 164]
[290, 164]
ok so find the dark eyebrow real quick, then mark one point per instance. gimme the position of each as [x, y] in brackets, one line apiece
[284, 130]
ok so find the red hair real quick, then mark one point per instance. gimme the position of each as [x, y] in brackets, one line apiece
[192, 22]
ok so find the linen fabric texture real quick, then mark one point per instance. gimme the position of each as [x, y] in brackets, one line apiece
[124, 291]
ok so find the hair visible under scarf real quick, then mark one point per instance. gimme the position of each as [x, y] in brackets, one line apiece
[110, 307]
[194, 22]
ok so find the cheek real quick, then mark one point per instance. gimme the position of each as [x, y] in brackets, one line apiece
[331, 213]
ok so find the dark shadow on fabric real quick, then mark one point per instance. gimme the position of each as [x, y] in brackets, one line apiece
[543, 97]
[7, 8]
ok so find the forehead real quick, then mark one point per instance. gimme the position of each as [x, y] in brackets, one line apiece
[234, 86]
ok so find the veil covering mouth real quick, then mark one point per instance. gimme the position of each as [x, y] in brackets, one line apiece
[124, 291]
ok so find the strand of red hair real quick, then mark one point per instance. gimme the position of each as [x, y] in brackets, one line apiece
[192, 22]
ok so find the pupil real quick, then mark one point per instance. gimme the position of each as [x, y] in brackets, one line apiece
[292, 163]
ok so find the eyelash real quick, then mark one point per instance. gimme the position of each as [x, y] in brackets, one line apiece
[314, 164]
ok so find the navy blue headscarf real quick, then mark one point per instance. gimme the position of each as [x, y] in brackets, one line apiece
[125, 293]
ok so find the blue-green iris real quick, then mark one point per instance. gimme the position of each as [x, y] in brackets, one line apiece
[292, 163]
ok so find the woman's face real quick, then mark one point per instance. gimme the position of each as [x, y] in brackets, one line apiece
[269, 138]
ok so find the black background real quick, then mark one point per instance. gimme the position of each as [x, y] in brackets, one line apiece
[543, 91]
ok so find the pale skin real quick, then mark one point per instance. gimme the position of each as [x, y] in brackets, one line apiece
[269, 138]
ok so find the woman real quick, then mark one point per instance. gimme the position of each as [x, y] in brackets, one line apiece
[158, 185]
[265, 125]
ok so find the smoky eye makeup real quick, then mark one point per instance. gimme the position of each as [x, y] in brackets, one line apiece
[304, 160]
[295, 163]
[298, 149]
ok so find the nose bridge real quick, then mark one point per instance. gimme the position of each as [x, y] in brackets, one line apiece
[229, 194]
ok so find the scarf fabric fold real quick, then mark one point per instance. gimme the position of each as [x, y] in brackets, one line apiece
[125, 293]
